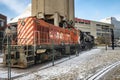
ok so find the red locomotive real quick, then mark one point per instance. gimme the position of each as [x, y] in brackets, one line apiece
[32, 31]
[34, 40]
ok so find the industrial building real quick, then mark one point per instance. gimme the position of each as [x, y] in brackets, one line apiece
[95, 28]
[116, 23]
[53, 10]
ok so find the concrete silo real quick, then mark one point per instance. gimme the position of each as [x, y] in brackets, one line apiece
[53, 11]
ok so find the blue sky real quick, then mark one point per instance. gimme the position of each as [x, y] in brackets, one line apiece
[97, 9]
[13, 8]
[86, 9]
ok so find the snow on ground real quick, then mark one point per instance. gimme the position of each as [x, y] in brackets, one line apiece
[4, 75]
[59, 71]
[78, 68]
[1, 57]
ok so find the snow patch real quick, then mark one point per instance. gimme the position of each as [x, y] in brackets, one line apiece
[69, 70]
[77, 68]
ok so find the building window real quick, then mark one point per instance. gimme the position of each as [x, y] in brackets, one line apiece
[87, 23]
[99, 30]
[75, 21]
[81, 22]
[1, 23]
[1, 34]
[98, 25]
[105, 29]
[98, 34]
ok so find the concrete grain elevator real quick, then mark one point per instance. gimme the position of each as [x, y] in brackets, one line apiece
[53, 11]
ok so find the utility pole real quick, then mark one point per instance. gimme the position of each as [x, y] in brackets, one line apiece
[9, 57]
[53, 53]
[8, 35]
[105, 41]
[112, 38]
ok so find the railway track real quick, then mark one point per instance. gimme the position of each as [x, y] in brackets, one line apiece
[38, 67]
[100, 75]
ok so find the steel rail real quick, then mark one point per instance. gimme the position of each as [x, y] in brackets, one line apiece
[100, 74]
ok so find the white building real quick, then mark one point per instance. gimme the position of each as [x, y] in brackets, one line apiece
[116, 23]
[95, 28]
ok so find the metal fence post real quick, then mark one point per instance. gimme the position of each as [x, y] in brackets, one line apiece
[112, 39]
[67, 48]
[53, 55]
[9, 58]
[76, 48]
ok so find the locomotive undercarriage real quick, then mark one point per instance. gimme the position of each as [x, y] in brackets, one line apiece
[25, 56]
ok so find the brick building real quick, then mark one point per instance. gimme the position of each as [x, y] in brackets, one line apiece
[3, 23]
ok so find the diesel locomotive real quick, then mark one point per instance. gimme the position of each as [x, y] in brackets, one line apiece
[34, 40]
